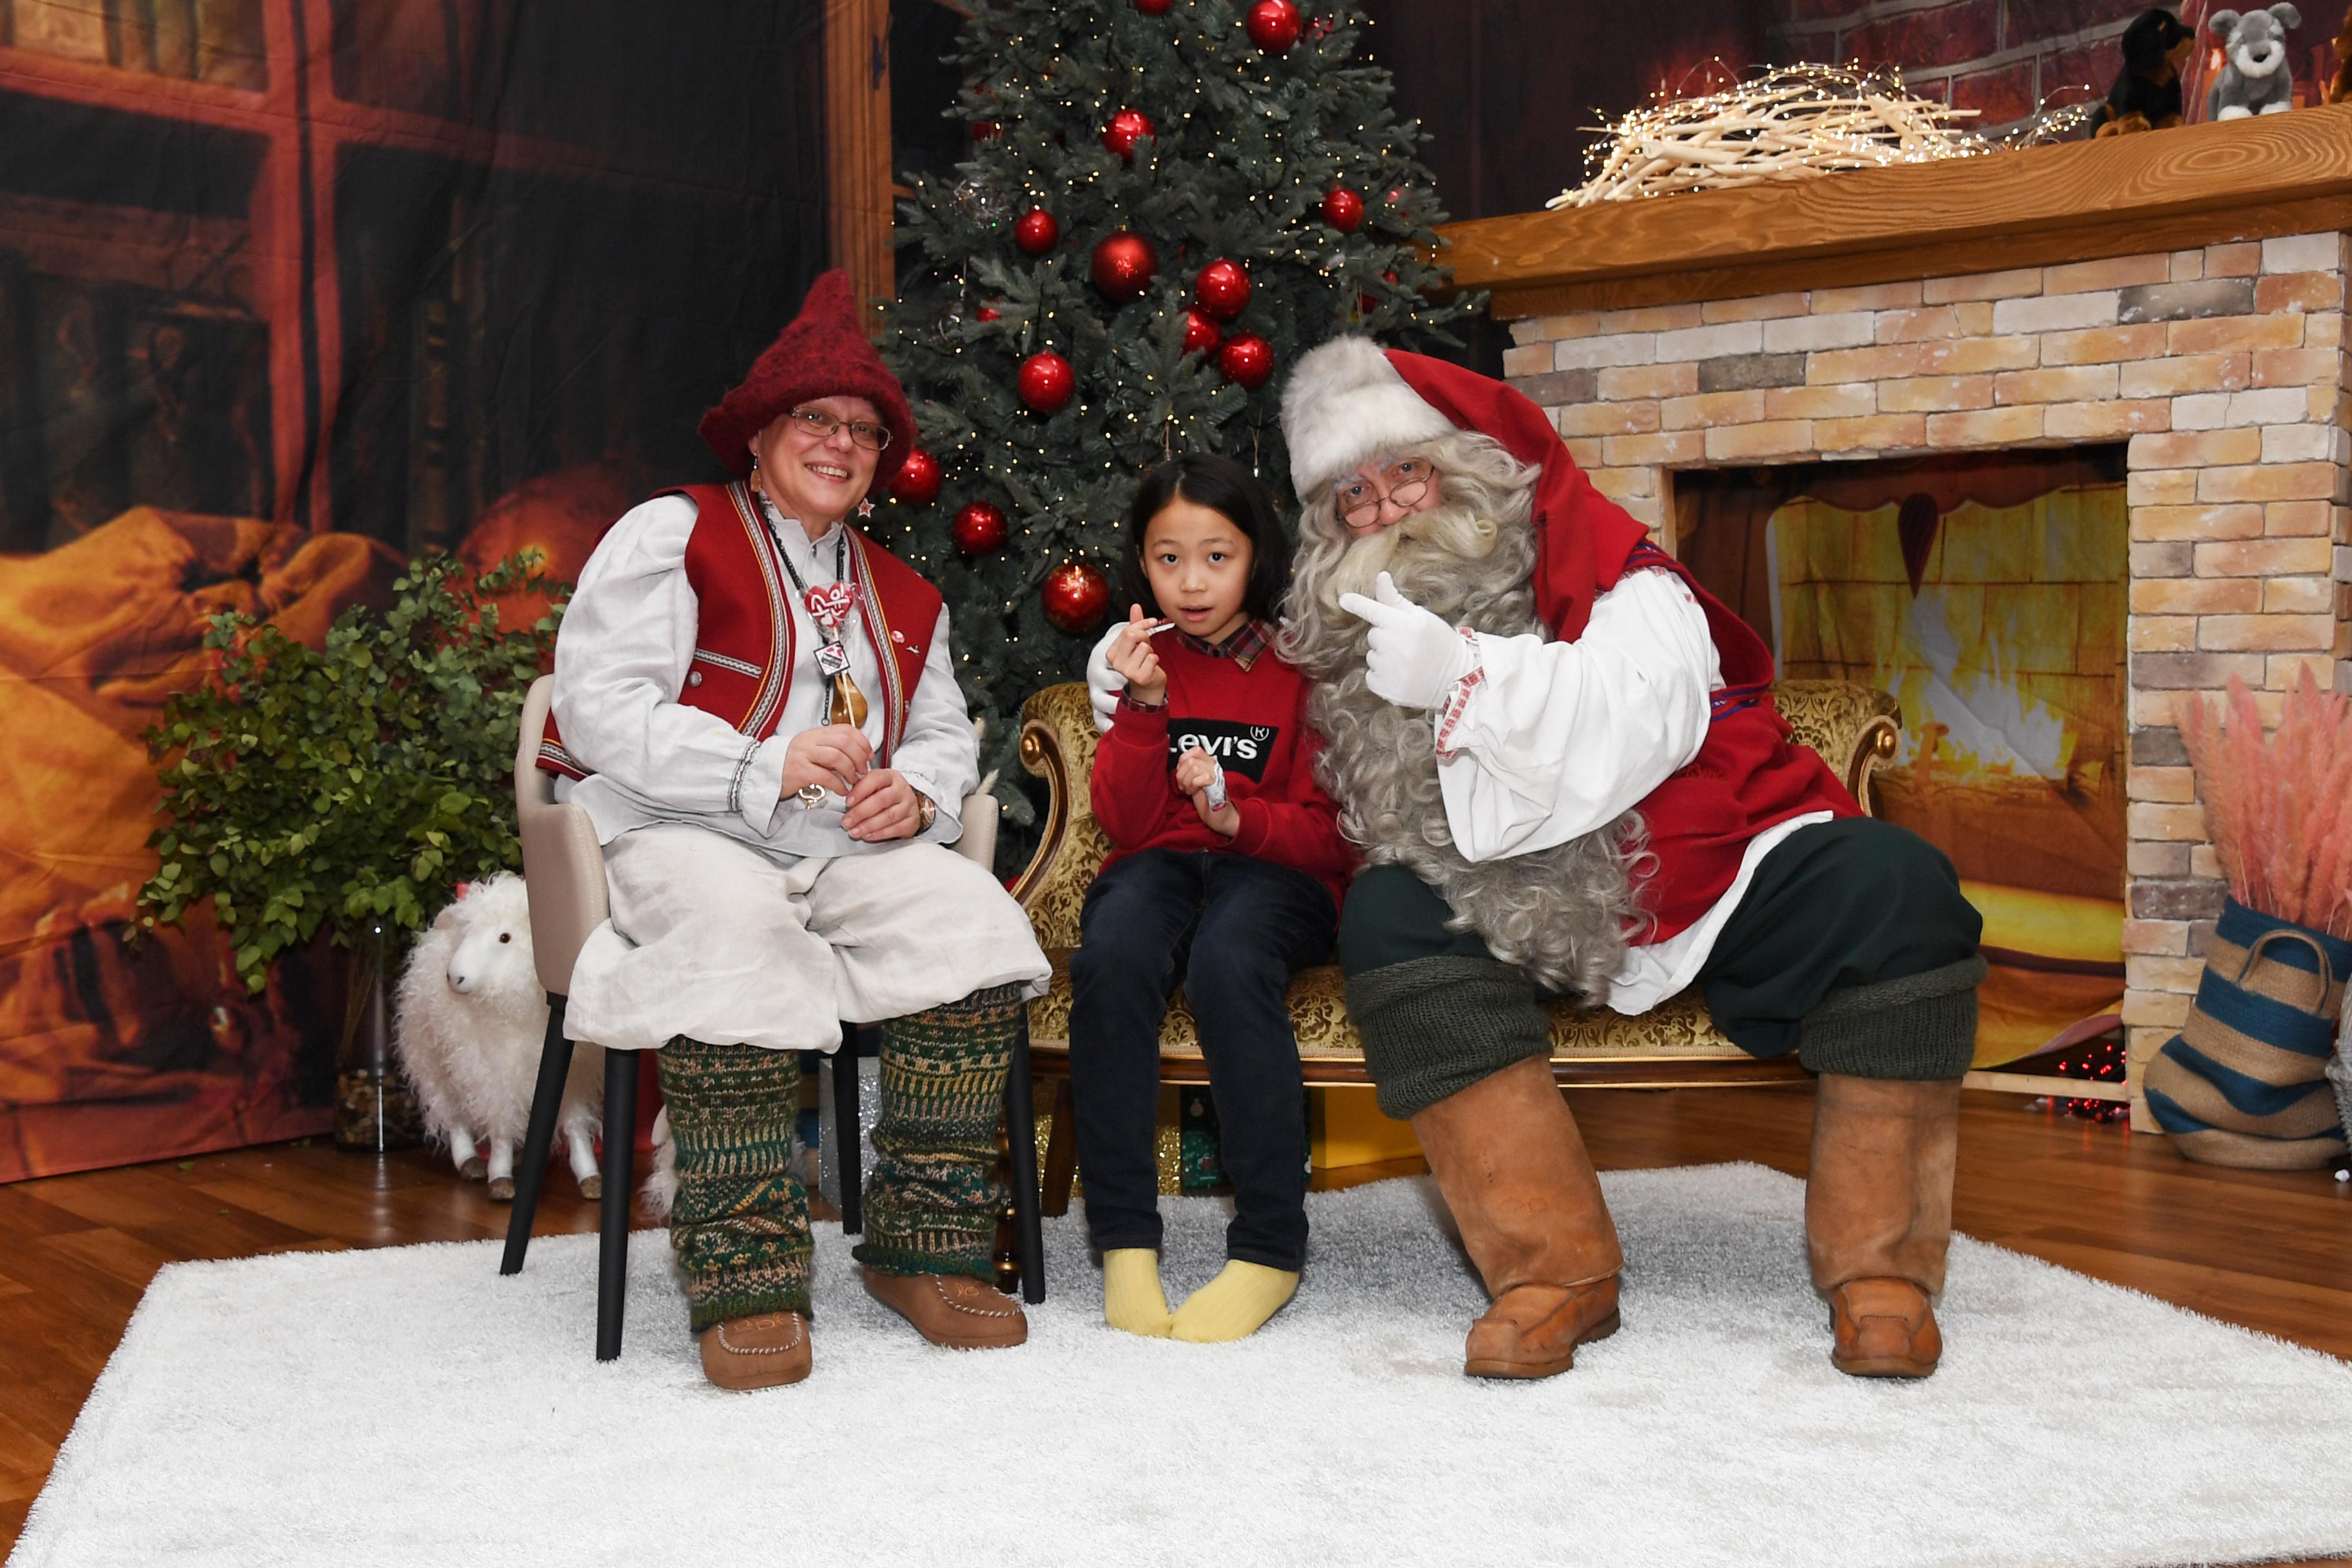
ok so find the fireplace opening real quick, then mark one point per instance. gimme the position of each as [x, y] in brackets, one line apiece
[1987, 592]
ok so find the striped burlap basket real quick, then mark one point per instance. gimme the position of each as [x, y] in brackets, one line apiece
[2245, 1081]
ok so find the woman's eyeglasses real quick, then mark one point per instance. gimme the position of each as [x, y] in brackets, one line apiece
[819, 425]
[1359, 500]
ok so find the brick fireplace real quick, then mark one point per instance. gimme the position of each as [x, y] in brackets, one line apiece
[2221, 365]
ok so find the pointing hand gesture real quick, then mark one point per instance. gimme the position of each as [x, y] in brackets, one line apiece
[1410, 656]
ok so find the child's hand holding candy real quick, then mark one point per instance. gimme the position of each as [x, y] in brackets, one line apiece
[1130, 655]
[1198, 775]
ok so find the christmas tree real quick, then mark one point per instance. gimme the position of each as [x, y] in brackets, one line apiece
[1165, 204]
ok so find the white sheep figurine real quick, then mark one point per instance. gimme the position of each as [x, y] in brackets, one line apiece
[469, 1020]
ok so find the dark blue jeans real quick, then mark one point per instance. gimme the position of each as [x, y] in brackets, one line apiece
[1232, 930]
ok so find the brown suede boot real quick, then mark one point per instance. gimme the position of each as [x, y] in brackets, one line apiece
[1512, 1165]
[763, 1352]
[1878, 1217]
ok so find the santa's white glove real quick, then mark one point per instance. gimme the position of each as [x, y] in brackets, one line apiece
[1411, 657]
[1104, 684]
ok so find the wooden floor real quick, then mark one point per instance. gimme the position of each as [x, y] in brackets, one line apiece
[2273, 1252]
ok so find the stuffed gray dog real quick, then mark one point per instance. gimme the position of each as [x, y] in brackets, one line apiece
[2255, 78]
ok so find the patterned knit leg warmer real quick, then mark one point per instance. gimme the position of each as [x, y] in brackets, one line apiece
[932, 1200]
[741, 1223]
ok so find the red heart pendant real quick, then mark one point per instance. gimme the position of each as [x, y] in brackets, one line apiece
[829, 604]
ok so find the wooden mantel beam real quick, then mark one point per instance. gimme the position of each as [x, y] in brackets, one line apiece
[2162, 190]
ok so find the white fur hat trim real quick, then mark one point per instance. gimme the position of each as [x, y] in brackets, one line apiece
[1346, 402]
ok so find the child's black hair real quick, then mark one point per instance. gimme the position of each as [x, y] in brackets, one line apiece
[1228, 489]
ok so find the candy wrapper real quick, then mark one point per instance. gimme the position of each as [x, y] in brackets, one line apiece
[1216, 787]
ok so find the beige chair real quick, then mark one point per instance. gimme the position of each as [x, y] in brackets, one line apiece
[1850, 725]
[564, 866]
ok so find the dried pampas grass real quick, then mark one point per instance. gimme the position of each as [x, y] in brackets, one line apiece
[2278, 808]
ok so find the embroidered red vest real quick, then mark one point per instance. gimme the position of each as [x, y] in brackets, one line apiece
[1748, 775]
[744, 643]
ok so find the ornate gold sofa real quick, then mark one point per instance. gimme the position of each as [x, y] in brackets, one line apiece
[1673, 1044]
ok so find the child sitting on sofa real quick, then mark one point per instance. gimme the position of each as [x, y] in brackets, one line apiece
[1225, 874]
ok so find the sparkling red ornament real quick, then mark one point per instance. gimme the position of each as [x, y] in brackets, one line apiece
[1200, 333]
[1127, 127]
[1223, 288]
[1075, 596]
[1154, 7]
[917, 481]
[1343, 209]
[986, 130]
[979, 528]
[1124, 266]
[1037, 232]
[1273, 24]
[1047, 382]
[1246, 359]
[985, 313]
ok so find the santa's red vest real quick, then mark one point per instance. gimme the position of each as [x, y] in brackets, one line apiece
[1749, 774]
[744, 641]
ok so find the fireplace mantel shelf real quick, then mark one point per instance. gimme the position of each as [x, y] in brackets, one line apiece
[2194, 185]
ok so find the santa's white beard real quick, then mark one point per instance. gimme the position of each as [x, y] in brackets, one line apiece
[1560, 914]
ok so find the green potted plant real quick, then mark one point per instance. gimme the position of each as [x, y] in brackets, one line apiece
[2244, 1082]
[348, 789]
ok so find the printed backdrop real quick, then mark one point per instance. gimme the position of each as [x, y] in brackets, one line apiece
[291, 290]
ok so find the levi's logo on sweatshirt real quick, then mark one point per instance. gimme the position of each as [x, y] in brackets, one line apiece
[1238, 747]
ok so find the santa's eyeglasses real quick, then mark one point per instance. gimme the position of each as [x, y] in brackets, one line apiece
[1359, 500]
[818, 426]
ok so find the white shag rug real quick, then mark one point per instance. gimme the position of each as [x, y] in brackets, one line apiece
[410, 1407]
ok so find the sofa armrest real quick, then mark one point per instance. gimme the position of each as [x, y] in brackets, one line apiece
[1058, 744]
[1853, 727]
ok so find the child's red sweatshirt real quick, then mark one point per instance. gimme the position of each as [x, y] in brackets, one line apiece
[1243, 706]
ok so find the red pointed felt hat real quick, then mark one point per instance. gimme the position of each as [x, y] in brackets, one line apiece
[823, 354]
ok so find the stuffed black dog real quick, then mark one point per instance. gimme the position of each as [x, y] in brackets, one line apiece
[2146, 94]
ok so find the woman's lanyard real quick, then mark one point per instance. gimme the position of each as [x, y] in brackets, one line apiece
[830, 606]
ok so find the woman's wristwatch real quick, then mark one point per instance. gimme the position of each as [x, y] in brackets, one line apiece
[926, 810]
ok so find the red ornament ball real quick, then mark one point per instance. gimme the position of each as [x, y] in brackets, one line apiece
[1200, 333]
[1124, 266]
[1223, 288]
[986, 130]
[1047, 382]
[979, 528]
[1037, 233]
[1343, 209]
[1273, 24]
[1075, 596]
[1127, 127]
[985, 313]
[917, 482]
[1247, 359]
[1154, 7]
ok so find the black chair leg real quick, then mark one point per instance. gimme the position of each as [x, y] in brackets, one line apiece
[846, 1157]
[613, 1221]
[1021, 1147]
[546, 1100]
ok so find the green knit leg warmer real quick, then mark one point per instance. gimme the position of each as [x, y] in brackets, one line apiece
[1919, 1026]
[1434, 1027]
[741, 1223]
[933, 1199]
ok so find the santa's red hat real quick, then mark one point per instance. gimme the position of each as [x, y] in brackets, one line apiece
[823, 354]
[1349, 401]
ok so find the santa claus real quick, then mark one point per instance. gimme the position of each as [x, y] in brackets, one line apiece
[1561, 757]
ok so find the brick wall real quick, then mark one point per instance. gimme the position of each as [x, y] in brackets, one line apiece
[2226, 371]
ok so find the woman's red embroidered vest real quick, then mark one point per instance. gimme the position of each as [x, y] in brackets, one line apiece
[745, 644]
[1748, 775]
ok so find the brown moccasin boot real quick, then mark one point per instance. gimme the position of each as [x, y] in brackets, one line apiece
[1513, 1167]
[765, 1352]
[951, 1310]
[1878, 1217]
[1883, 1328]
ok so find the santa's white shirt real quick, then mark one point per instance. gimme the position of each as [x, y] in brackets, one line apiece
[1557, 739]
[627, 653]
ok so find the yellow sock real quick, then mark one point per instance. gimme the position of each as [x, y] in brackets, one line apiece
[1235, 1304]
[1133, 1299]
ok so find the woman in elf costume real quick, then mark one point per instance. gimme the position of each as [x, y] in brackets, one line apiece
[756, 706]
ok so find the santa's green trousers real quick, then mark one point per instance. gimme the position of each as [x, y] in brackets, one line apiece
[740, 1224]
[1852, 947]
